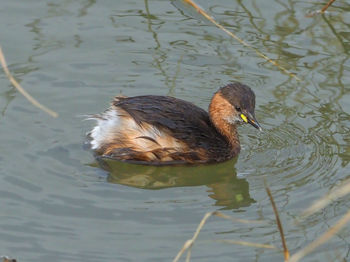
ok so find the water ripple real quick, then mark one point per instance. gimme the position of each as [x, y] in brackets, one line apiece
[293, 152]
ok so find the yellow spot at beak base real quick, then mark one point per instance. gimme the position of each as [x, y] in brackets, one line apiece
[245, 119]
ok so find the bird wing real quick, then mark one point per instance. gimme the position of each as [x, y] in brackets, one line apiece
[180, 119]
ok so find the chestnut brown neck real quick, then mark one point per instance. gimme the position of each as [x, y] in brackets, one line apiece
[219, 109]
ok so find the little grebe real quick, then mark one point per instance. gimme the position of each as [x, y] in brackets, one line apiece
[161, 130]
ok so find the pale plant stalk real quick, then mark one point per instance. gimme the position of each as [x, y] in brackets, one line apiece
[189, 243]
[21, 89]
[322, 239]
[246, 243]
[336, 193]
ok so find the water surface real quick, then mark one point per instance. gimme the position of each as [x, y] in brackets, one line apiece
[74, 56]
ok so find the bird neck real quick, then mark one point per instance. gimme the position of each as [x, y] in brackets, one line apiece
[219, 108]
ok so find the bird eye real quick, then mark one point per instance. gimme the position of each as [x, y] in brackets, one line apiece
[238, 108]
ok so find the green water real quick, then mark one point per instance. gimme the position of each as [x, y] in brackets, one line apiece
[57, 204]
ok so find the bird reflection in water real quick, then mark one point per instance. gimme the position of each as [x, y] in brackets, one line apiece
[225, 188]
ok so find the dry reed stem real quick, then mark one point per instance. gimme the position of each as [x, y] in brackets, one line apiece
[21, 90]
[243, 221]
[324, 201]
[212, 20]
[188, 257]
[326, 6]
[322, 11]
[189, 243]
[279, 224]
[322, 239]
[245, 243]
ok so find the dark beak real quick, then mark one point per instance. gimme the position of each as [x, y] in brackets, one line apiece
[250, 119]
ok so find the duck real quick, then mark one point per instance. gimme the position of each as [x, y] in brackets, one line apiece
[164, 130]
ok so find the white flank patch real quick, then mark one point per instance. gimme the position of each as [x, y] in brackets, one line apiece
[108, 122]
[112, 127]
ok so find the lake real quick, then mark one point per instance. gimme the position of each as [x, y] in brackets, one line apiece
[59, 204]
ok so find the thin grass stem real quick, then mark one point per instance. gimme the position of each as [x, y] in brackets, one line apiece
[245, 243]
[189, 243]
[21, 89]
[279, 224]
[326, 6]
[322, 239]
[326, 200]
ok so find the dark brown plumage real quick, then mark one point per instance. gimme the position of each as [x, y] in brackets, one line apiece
[166, 130]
